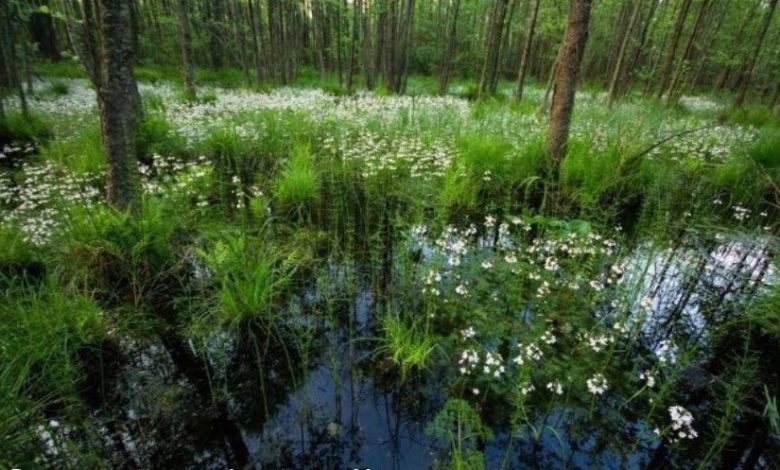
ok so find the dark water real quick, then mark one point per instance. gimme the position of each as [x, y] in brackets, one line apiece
[263, 398]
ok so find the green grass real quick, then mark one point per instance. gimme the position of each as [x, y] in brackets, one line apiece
[408, 347]
[17, 127]
[80, 153]
[299, 184]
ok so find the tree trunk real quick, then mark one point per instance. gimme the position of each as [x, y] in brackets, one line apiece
[677, 78]
[747, 71]
[43, 33]
[529, 38]
[404, 48]
[216, 39]
[449, 51]
[565, 84]
[663, 80]
[117, 116]
[368, 62]
[14, 53]
[353, 42]
[618, 72]
[492, 47]
[255, 42]
[185, 37]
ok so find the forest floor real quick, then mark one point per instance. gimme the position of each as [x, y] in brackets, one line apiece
[343, 280]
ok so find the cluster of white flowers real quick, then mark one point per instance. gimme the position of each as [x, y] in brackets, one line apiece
[666, 352]
[648, 377]
[528, 352]
[39, 200]
[555, 387]
[682, 423]
[468, 362]
[597, 384]
[494, 364]
[598, 342]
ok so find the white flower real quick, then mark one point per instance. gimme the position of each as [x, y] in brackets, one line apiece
[461, 290]
[666, 352]
[648, 377]
[487, 264]
[597, 384]
[555, 387]
[468, 333]
[682, 422]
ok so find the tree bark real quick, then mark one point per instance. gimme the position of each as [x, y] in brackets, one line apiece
[43, 33]
[747, 71]
[449, 51]
[255, 41]
[677, 78]
[368, 62]
[216, 38]
[618, 72]
[185, 36]
[117, 116]
[353, 42]
[565, 84]
[524, 59]
[492, 47]
[663, 80]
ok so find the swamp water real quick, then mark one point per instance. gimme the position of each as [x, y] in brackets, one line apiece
[314, 392]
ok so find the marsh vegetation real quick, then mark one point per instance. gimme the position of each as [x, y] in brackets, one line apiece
[265, 264]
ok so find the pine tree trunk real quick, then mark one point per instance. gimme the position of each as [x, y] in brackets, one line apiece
[524, 59]
[117, 116]
[747, 71]
[185, 36]
[565, 83]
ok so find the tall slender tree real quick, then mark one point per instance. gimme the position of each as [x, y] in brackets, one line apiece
[747, 71]
[185, 36]
[445, 63]
[525, 58]
[565, 82]
[617, 73]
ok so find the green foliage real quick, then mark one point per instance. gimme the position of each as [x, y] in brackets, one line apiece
[20, 262]
[409, 347]
[58, 88]
[155, 136]
[249, 277]
[122, 257]
[80, 153]
[299, 184]
[41, 329]
[17, 127]
[462, 427]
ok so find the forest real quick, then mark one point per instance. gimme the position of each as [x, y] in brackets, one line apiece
[389, 234]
